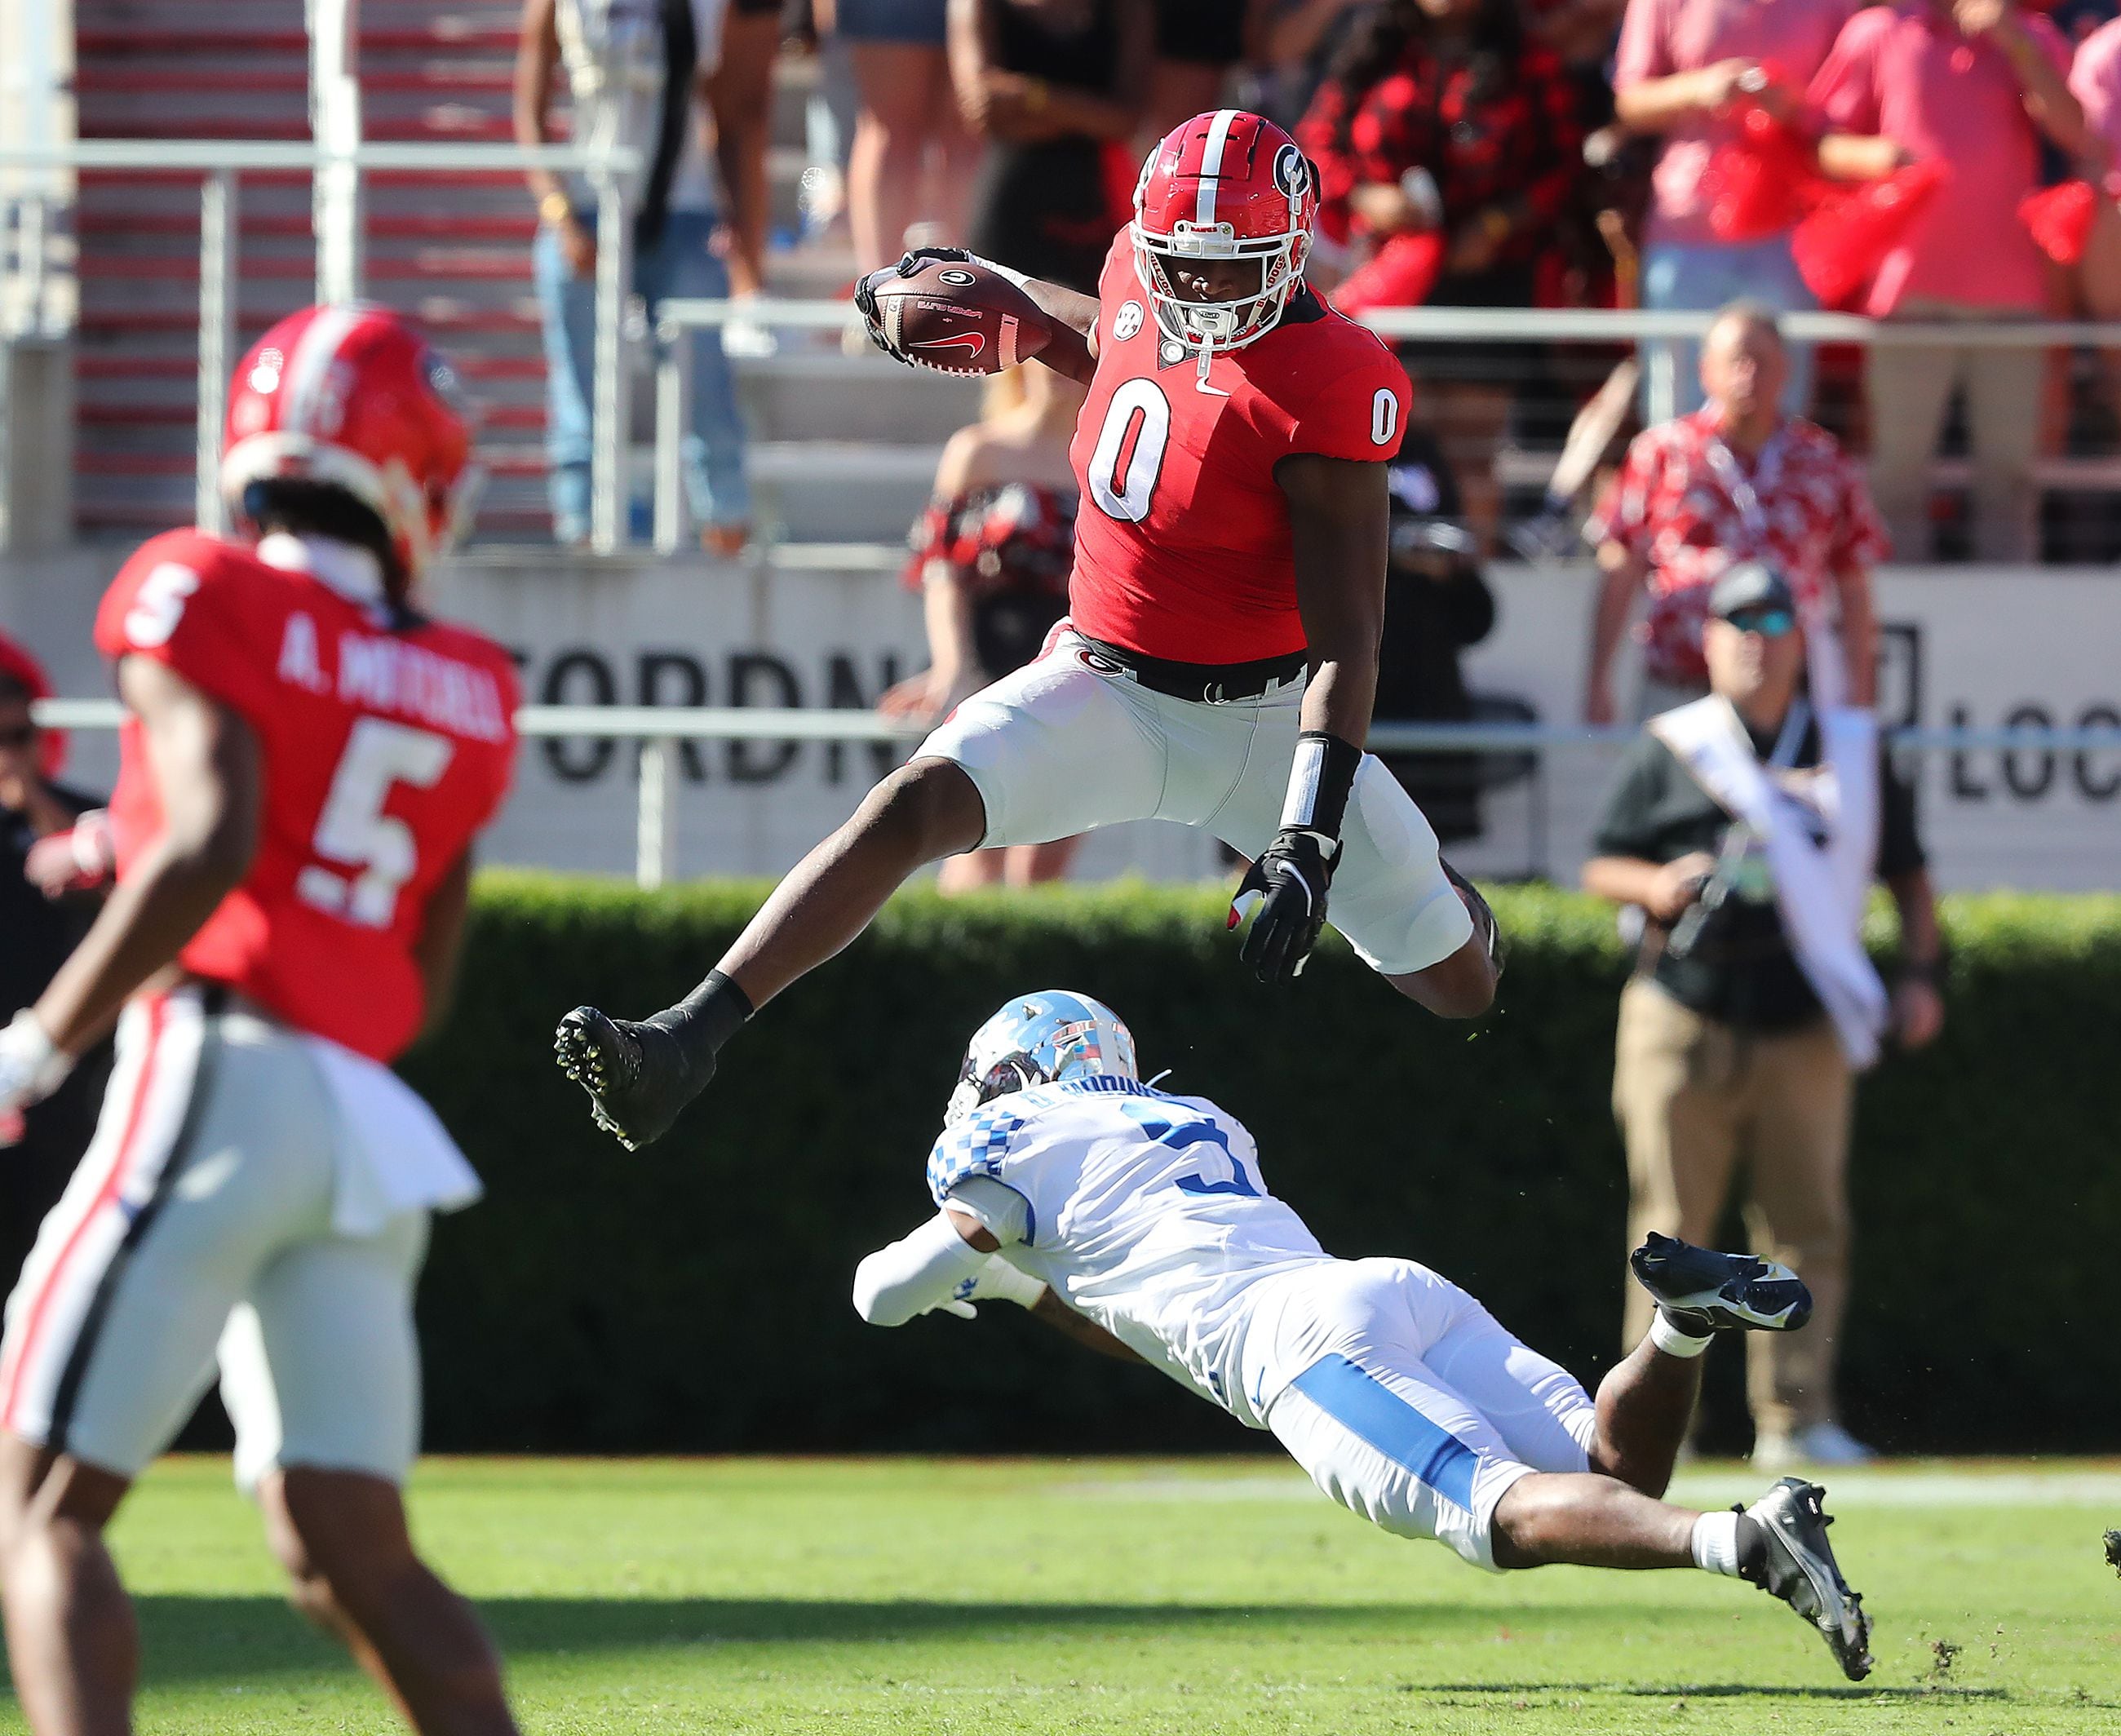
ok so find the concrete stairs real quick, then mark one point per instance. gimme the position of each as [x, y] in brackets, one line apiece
[844, 446]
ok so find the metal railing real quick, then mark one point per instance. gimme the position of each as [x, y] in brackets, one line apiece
[678, 318]
[661, 730]
[1521, 325]
[221, 164]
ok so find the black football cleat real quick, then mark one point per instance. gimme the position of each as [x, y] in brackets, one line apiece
[2113, 1549]
[1800, 1569]
[638, 1080]
[1701, 1291]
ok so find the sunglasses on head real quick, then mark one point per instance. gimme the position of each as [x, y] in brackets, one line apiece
[1770, 623]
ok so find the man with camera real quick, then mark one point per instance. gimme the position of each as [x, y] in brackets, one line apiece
[1746, 828]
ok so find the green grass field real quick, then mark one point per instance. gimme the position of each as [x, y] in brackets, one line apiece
[1101, 1596]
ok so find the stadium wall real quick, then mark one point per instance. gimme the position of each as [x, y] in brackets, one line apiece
[1962, 646]
[694, 1297]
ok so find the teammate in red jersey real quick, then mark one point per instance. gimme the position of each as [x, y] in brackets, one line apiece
[306, 763]
[1219, 662]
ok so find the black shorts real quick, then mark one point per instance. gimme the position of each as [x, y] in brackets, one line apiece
[1209, 33]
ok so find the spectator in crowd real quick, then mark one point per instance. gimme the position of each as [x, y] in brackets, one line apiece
[1199, 42]
[991, 558]
[1293, 44]
[1443, 115]
[740, 98]
[2095, 80]
[1580, 32]
[1735, 480]
[37, 814]
[635, 70]
[1747, 827]
[912, 159]
[1975, 85]
[1683, 68]
[1055, 89]
[1435, 605]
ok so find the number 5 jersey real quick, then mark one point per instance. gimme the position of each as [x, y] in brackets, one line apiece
[386, 741]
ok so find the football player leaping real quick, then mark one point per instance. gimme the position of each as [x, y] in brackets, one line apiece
[1136, 1222]
[305, 765]
[1220, 658]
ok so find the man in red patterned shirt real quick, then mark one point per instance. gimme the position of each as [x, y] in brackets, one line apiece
[1735, 481]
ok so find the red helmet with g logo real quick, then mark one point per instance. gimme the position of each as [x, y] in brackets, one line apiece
[351, 396]
[1224, 186]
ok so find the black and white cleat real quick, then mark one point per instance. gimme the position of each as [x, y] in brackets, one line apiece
[1800, 1569]
[638, 1080]
[1701, 1291]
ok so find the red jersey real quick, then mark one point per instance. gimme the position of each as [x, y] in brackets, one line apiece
[383, 752]
[1181, 542]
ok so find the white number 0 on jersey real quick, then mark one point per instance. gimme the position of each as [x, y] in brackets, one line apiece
[354, 830]
[1124, 491]
[1123, 494]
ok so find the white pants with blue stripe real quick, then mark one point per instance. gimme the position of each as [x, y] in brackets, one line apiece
[1408, 1402]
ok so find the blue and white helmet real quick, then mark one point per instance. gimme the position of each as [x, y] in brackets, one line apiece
[1037, 1040]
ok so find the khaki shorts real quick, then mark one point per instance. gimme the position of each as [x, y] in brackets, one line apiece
[198, 1230]
[1059, 747]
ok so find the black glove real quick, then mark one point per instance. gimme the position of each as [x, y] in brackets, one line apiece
[909, 263]
[1288, 884]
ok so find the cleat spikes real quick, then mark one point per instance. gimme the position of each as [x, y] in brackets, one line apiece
[637, 1078]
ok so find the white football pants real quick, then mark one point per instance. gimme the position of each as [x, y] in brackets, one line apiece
[199, 1227]
[1408, 1402]
[1058, 748]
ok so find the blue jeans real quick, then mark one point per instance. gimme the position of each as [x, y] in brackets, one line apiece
[680, 265]
[1686, 277]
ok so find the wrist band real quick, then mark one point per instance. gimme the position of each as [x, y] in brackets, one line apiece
[1020, 279]
[42, 1066]
[1320, 779]
[1006, 1283]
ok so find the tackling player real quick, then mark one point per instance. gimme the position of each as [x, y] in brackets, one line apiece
[1220, 662]
[1136, 1222]
[306, 761]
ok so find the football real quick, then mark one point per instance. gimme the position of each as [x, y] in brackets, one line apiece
[958, 318]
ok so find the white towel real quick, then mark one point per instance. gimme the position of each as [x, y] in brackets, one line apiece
[1820, 889]
[392, 1152]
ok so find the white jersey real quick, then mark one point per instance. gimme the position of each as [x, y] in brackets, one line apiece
[1144, 1211]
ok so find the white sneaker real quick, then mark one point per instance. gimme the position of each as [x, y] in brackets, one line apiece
[1818, 1443]
[746, 340]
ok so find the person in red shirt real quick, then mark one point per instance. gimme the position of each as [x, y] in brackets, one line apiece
[1734, 481]
[1442, 117]
[306, 764]
[1219, 664]
[1977, 85]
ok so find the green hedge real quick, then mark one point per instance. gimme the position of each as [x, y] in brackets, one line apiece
[694, 1296]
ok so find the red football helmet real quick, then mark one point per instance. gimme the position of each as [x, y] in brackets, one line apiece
[1224, 186]
[351, 395]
